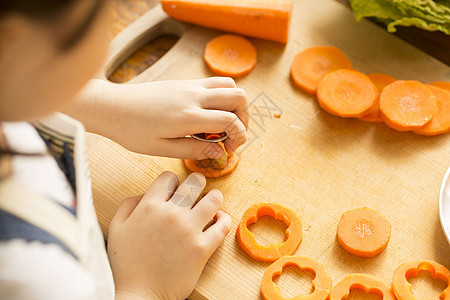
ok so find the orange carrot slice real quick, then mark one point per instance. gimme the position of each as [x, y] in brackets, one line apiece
[363, 232]
[442, 84]
[321, 282]
[347, 93]
[440, 123]
[401, 286]
[311, 64]
[246, 239]
[407, 105]
[210, 172]
[212, 136]
[230, 55]
[364, 282]
[268, 19]
[381, 81]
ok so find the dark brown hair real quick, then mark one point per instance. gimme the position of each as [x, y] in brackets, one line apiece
[49, 10]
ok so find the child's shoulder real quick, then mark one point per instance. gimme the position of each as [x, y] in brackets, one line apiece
[46, 203]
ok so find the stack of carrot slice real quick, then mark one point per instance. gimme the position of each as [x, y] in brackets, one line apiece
[403, 105]
[381, 81]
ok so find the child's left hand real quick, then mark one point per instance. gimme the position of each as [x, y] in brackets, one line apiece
[159, 242]
[154, 117]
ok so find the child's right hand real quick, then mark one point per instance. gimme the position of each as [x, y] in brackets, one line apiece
[157, 245]
[155, 117]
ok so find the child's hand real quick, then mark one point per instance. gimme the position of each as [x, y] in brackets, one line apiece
[156, 243]
[154, 118]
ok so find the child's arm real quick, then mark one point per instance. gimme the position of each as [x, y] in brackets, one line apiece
[156, 243]
[154, 118]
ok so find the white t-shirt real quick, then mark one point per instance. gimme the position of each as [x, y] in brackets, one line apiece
[51, 246]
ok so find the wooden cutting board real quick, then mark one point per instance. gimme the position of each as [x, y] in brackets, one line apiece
[315, 163]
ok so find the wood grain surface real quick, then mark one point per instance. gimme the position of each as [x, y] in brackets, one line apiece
[315, 163]
[125, 12]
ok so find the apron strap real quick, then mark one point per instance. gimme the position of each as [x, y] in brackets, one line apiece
[41, 212]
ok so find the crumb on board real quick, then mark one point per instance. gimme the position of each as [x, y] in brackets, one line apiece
[295, 126]
[317, 113]
[262, 147]
[277, 116]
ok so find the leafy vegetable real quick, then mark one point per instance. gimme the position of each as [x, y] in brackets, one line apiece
[431, 15]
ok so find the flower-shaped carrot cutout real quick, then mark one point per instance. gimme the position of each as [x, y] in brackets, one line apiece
[364, 282]
[321, 281]
[401, 286]
[247, 241]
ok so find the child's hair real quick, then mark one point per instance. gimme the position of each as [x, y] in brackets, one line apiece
[48, 11]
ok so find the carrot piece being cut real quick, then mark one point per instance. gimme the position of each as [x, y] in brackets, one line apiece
[321, 281]
[407, 105]
[246, 239]
[230, 55]
[403, 289]
[268, 19]
[442, 84]
[213, 168]
[311, 64]
[364, 282]
[347, 93]
[363, 232]
[381, 81]
[440, 123]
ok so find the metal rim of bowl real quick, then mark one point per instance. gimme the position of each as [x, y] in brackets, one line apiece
[442, 197]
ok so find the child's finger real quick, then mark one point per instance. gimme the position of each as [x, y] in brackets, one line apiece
[162, 187]
[218, 82]
[125, 209]
[205, 210]
[231, 145]
[234, 100]
[214, 121]
[189, 190]
[190, 148]
[219, 230]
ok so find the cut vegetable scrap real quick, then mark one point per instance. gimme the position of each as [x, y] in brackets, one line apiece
[311, 64]
[381, 81]
[230, 55]
[442, 84]
[364, 282]
[268, 19]
[401, 286]
[440, 123]
[347, 93]
[321, 282]
[363, 232]
[407, 105]
[246, 239]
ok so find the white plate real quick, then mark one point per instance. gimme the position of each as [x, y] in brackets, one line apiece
[444, 205]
